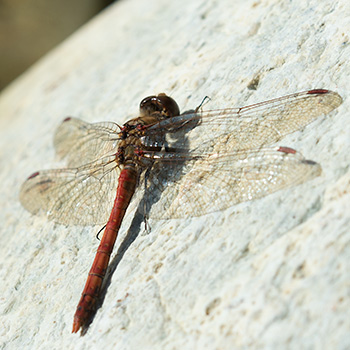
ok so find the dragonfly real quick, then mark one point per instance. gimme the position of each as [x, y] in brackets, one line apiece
[183, 164]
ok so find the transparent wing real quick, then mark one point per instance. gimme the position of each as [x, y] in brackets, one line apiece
[214, 182]
[78, 196]
[243, 128]
[80, 143]
[208, 161]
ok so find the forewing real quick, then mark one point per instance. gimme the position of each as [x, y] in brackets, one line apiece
[78, 196]
[244, 128]
[80, 143]
[211, 183]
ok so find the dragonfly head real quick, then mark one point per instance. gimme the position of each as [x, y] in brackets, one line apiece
[160, 104]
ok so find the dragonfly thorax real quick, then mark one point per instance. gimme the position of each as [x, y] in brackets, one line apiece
[153, 109]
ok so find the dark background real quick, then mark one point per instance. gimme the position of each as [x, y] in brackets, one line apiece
[30, 28]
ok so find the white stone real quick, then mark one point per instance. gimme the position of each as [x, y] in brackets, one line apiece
[268, 274]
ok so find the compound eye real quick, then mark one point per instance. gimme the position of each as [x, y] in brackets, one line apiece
[160, 103]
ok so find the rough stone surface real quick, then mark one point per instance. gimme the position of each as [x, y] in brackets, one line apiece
[268, 274]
